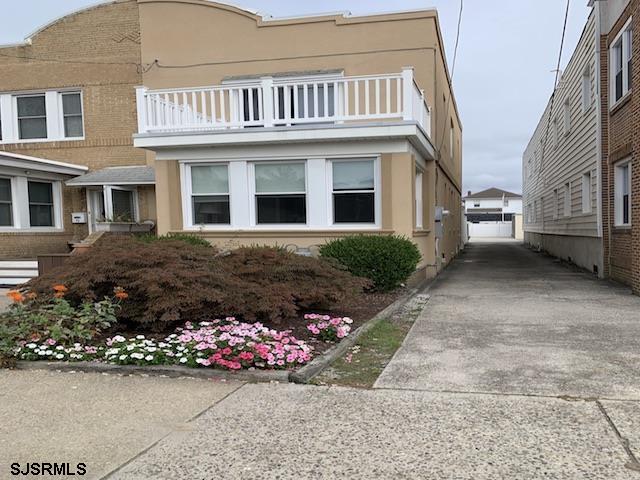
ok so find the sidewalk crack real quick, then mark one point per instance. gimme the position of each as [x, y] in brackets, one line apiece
[633, 463]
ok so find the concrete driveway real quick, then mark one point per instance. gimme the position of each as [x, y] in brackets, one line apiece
[503, 319]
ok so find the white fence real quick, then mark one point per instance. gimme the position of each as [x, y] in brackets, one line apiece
[490, 230]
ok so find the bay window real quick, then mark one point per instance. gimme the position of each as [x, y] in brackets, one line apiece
[280, 193]
[6, 203]
[32, 117]
[353, 191]
[622, 191]
[210, 194]
[41, 212]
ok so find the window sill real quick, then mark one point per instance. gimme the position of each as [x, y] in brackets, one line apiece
[620, 103]
[623, 229]
[17, 141]
[32, 230]
[307, 232]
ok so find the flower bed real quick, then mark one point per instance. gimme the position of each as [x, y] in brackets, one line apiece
[227, 344]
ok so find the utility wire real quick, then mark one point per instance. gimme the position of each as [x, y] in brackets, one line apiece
[453, 71]
[555, 88]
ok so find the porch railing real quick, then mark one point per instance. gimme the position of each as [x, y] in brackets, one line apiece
[270, 102]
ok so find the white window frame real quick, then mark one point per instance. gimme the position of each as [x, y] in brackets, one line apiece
[54, 114]
[566, 113]
[62, 115]
[556, 202]
[566, 200]
[618, 197]
[587, 95]
[108, 201]
[14, 207]
[623, 40]
[20, 201]
[16, 118]
[187, 194]
[253, 195]
[587, 193]
[377, 215]
[419, 191]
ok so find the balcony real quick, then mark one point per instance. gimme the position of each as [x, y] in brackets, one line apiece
[282, 104]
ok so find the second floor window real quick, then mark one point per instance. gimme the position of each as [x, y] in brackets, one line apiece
[72, 115]
[32, 117]
[620, 58]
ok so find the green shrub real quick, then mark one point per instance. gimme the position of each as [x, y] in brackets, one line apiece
[173, 281]
[181, 237]
[387, 261]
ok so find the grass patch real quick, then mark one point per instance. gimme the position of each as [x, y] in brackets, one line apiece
[366, 360]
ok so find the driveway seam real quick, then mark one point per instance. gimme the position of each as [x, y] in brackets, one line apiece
[190, 420]
[633, 463]
[567, 398]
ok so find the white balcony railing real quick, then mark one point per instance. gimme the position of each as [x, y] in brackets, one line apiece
[275, 103]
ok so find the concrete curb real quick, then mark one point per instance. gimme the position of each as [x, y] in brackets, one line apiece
[159, 370]
[318, 364]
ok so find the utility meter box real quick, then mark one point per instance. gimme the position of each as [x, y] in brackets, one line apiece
[79, 217]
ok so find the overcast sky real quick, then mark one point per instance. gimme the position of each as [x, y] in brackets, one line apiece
[503, 78]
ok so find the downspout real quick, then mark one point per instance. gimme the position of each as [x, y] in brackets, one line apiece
[599, 132]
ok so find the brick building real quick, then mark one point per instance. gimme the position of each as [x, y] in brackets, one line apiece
[620, 159]
[67, 108]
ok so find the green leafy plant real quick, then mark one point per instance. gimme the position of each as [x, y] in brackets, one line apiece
[181, 237]
[55, 319]
[388, 261]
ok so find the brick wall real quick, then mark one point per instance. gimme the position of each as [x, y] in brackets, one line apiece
[98, 51]
[621, 139]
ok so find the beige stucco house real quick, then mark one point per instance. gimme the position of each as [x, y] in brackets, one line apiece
[294, 131]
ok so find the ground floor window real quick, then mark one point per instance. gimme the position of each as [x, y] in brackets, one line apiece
[6, 203]
[280, 193]
[353, 191]
[210, 194]
[622, 190]
[27, 202]
[41, 212]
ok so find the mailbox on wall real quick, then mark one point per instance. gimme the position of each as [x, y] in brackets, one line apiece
[79, 217]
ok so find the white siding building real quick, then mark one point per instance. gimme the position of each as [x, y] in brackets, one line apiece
[561, 164]
[492, 213]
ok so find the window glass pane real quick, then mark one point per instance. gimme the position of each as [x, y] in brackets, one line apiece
[71, 104]
[33, 128]
[122, 205]
[5, 190]
[353, 208]
[281, 209]
[41, 215]
[40, 192]
[353, 175]
[211, 209]
[6, 219]
[280, 178]
[31, 106]
[209, 179]
[73, 126]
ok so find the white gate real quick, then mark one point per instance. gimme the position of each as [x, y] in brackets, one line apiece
[490, 229]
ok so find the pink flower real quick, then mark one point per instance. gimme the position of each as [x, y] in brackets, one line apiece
[50, 341]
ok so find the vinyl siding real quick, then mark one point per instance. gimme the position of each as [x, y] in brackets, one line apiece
[575, 154]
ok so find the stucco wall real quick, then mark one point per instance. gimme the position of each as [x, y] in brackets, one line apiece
[583, 251]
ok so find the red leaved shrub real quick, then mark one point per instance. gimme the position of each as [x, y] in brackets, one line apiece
[174, 281]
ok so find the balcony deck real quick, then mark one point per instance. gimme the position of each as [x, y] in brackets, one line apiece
[283, 104]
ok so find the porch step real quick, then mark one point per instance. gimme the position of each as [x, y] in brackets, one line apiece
[16, 272]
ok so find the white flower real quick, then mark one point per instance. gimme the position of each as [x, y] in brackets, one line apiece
[59, 356]
[179, 354]
[183, 360]
[59, 347]
[41, 353]
[148, 358]
[118, 339]
[137, 356]
[48, 352]
[130, 347]
[123, 357]
[151, 349]
[31, 345]
[140, 337]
